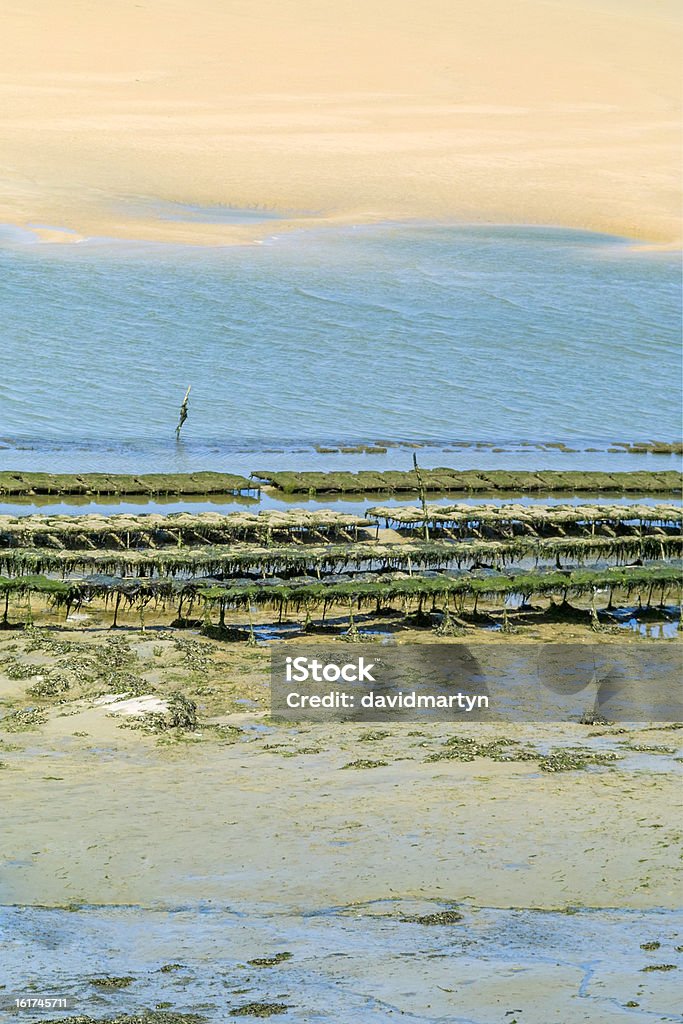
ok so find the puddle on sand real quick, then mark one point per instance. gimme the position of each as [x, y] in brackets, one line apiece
[266, 633]
[653, 630]
[656, 623]
[349, 964]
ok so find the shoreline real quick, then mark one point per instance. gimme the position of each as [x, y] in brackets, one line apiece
[201, 235]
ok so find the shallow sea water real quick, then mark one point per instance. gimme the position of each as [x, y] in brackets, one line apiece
[350, 964]
[391, 331]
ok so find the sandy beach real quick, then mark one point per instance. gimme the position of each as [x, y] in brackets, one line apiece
[537, 112]
[320, 870]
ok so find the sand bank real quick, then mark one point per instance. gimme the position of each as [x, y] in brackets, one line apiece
[535, 112]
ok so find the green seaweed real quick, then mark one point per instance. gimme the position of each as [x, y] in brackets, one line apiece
[444, 479]
[363, 763]
[320, 559]
[441, 917]
[113, 982]
[23, 720]
[259, 1009]
[142, 1017]
[270, 961]
[53, 684]
[17, 484]
[465, 748]
[569, 760]
[240, 593]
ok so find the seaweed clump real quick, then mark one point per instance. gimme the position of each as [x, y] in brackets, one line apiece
[575, 760]
[42, 640]
[464, 748]
[270, 961]
[144, 1017]
[14, 669]
[180, 715]
[122, 982]
[50, 684]
[259, 1010]
[362, 763]
[196, 655]
[441, 917]
[450, 626]
[24, 720]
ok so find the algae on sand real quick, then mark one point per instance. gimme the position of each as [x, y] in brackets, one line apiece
[143, 1017]
[259, 1010]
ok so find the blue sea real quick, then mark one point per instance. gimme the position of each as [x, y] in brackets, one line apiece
[403, 332]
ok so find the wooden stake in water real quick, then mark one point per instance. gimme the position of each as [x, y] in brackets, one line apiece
[183, 412]
[423, 496]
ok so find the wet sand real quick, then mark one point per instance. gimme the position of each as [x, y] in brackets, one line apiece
[533, 113]
[116, 821]
[368, 962]
[245, 838]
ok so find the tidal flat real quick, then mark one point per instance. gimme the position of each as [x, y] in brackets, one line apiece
[225, 865]
[345, 249]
